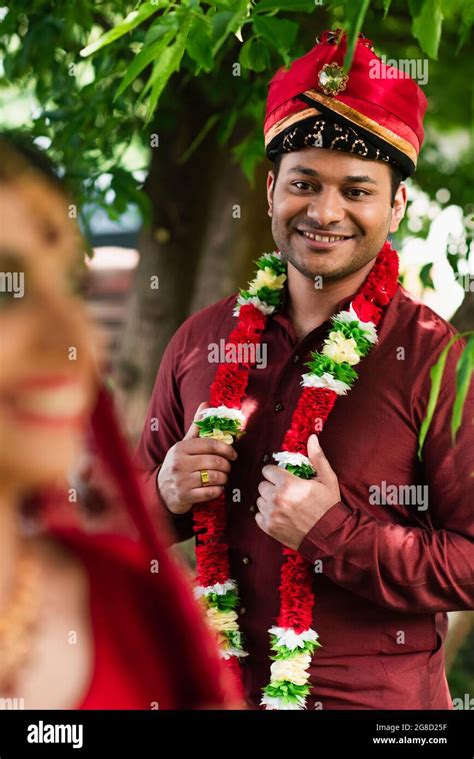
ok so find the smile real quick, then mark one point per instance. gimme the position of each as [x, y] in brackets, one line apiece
[323, 238]
[319, 241]
[49, 401]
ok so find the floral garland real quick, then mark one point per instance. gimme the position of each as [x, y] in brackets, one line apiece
[331, 373]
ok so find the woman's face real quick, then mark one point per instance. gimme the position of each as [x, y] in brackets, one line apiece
[47, 370]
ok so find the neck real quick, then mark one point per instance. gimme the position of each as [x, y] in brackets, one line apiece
[309, 307]
[10, 542]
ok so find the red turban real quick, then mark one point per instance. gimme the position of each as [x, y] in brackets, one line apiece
[382, 104]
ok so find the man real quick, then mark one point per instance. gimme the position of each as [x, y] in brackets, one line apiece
[391, 537]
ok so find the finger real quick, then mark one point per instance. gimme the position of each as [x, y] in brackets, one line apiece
[199, 495]
[324, 470]
[208, 445]
[274, 474]
[194, 463]
[215, 478]
[260, 520]
[263, 506]
[194, 429]
[265, 489]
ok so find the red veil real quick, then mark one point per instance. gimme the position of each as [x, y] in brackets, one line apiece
[180, 641]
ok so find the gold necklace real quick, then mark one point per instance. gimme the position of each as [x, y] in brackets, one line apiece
[19, 618]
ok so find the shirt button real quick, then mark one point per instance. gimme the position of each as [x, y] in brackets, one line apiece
[252, 508]
[296, 359]
[278, 406]
[246, 560]
[266, 458]
[242, 611]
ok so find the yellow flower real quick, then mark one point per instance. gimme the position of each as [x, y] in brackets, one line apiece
[226, 437]
[266, 278]
[222, 621]
[293, 669]
[341, 348]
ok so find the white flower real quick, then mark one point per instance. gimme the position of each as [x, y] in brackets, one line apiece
[278, 703]
[223, 412]
[286, 636]
[256, 302]
[287, 457]
[326, 380]
[216, 434]
[222, 621]
[266, 278]
[292, 669]
[227, 653]
[340, 348]
[220, 588]
[370, 330]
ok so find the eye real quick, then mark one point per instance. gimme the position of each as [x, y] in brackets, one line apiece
[302, 185]
[356, 192]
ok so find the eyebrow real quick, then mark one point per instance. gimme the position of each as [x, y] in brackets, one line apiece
[360, 179]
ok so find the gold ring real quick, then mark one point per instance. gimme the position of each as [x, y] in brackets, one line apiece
[204, 476]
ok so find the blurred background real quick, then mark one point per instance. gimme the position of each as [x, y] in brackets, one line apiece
[153, 113]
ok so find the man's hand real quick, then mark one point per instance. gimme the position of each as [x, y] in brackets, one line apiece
[290, 506]
[179, 478]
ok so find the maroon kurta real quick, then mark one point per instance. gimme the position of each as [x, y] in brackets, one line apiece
[389, 572]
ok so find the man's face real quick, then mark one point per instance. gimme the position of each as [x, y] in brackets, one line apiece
[342, 201]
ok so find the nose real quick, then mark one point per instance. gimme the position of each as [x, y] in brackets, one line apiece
[326, 207]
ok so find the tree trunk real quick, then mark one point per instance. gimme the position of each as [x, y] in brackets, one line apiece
[195, 247]
[460, 625]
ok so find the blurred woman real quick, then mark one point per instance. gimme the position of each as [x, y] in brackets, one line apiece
[91, 621]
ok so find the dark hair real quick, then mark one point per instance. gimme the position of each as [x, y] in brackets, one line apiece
[20, 147]
[396, 175]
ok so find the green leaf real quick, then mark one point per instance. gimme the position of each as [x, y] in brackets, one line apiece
[464, 370]
[213, 119]
[286, 690]
[141, 61]
[135, 18]
[386, 6]
[279, 32]
[169, 63]
[304, 471]
[254, 55]
[427, 24]
[226, 23]
[436, 375]
[199, 44]
[425, 275]
[307, 6]
[353, 26]
[466, 23]
[249, 153]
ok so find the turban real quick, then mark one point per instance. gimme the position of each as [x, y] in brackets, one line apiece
[375, 111]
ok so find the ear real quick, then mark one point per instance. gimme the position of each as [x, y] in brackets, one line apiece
[399, 206]
[270, 189]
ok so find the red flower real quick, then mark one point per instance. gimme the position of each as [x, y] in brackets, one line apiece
[365, 310]
[314, 405]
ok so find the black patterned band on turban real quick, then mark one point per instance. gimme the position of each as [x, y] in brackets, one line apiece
[321, 132]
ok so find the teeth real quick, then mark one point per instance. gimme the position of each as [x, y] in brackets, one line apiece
[60, 402]
[323, 238]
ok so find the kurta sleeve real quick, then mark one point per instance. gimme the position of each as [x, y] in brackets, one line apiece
[164, 426]
[413, 569]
